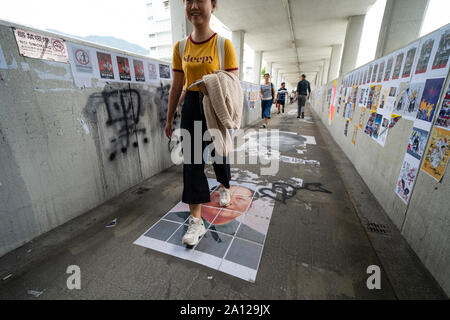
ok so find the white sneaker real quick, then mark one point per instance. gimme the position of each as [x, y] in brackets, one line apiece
[225, 197]
[195, 231]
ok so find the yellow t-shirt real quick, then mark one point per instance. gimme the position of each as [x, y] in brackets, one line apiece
[201, 58]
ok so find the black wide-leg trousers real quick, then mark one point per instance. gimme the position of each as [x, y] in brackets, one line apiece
[195, 183]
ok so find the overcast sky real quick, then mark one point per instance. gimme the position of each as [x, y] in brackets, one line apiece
[128, 19]
[122, 19]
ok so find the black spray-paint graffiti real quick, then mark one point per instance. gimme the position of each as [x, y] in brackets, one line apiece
[124, 109]
[282, 191]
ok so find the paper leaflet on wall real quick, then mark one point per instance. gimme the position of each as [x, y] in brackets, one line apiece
[437, 156]
[40, 46]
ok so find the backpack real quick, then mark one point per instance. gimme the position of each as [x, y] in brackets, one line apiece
[220, 48]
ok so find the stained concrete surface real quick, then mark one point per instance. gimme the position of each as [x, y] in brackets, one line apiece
[316, 246]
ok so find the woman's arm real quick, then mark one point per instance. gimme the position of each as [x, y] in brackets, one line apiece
[174, 96]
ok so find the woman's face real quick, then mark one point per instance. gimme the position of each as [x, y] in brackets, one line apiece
[199, 12]
[241, 198]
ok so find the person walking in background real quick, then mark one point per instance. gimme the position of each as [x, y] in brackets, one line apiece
[281, 96]
[303, 94]
[267, 93]
[292, 97]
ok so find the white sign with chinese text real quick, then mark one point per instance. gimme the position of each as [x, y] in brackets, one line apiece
[35, 45]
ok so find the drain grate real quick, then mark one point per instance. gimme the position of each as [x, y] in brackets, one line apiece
[377, 228]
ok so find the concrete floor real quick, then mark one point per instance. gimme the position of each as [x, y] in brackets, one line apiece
[316, 247]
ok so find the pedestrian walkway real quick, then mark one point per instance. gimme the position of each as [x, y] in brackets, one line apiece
[315, 247]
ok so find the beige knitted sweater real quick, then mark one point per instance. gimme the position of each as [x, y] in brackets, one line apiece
[223, 108]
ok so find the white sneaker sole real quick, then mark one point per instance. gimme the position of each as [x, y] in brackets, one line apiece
[193, 244]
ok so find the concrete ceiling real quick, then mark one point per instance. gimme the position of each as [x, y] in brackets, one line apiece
[317, 25]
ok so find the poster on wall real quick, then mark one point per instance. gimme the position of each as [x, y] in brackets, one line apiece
[362, 115]
[407, 177]
[409, 101]
[417, 142]
[374, 98]
[124, 68]
[153, 71]
[443, 52]
[390, 100]
[407, 68]
[425, 55]
[355, 133]
[443, 118]
[139, 71]
[370, 124]
[387, 73]
[398, 66]
[430, 99]
[105, 66]
[381, 72]
[375, 73]
[346, 127]
[164, 71]
[332, 106]
[39, 46]
[384, 94]
[402, 98]
[82, 58]
[436, 158]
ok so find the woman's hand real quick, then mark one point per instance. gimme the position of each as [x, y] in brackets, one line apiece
[202, 88]
[168, 129]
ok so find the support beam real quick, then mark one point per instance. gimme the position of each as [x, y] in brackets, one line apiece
[326, 68]
[257, 61]
[275, 76]
[277, 84]
[335, 62]
[237, 38]
[269, 68]
[181, 27]
[402, 22]
[352, 41]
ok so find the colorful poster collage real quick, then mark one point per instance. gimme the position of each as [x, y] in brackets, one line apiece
[407, 84]
[90, 63]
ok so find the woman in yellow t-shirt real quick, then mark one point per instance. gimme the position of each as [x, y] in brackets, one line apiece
[200, 57]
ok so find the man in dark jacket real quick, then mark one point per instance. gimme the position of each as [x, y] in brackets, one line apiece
[303, 94]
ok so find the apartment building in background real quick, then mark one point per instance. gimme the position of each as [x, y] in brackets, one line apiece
[160, 29]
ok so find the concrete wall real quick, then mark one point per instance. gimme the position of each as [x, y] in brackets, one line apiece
[58, 158]
[425, 221]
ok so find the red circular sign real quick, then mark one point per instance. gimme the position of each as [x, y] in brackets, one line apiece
[58, 46]
[82, 57]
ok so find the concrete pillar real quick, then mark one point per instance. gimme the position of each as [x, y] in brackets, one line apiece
[257, 61]
[402, 22]
[335, 62]
[351, 45]
[278, 82]
[326, 68]
[275, 76]
[237, 38]
[181, 27]
[269, 68]
[319, 82]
